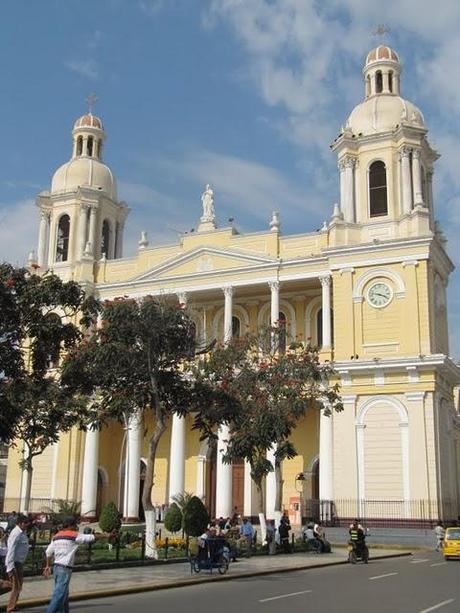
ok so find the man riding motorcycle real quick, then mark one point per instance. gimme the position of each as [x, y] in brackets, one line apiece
[358, 548]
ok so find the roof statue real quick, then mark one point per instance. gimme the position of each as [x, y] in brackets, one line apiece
[208, 219]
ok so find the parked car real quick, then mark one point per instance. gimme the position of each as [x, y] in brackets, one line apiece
[451, 544]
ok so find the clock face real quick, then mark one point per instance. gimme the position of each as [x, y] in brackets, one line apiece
[379, 295]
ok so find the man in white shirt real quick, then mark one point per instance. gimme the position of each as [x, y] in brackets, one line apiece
[63, 548]
[17, 550]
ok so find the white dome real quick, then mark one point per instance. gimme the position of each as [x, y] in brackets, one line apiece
[382, 113]
[84, 171]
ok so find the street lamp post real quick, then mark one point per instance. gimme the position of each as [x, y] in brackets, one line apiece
[299, 485]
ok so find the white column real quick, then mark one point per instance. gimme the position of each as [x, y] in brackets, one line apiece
[42, 238]
[228, 312]
[270, 485]
[82, 230]
[385, 82]
[275, 302]
[224, 485]
[177, 457]
[133, 469]
[404, 155]
[348, 208]
[119, 239]
[417, 178]
[247, 501]
[326, 310]
[341, 166]
[92, 229]
[90, 466]
[200, 477]
[326, 491]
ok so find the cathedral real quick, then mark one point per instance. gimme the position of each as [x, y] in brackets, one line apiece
[368, 288]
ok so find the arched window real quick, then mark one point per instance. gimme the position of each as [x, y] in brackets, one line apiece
[378, 189]
[105, 239]
[90, 146]
[390, 81]
[282, 335]
[378, 82]
[236, 327]
[62, 243]
[79, 145]
[368, 86]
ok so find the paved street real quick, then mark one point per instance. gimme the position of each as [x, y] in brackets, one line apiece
[418, 584]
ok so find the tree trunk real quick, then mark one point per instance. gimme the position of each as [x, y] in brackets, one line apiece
[279, 488]
[149, 510]
[260, 496]
[27, 474]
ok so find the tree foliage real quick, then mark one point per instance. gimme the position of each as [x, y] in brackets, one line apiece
[271, 391]
[195, 517]
[173, 518]
[41, 317]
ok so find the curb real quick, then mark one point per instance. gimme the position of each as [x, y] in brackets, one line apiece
[79, 596]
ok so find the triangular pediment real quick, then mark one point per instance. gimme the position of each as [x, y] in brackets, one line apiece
[206, 260]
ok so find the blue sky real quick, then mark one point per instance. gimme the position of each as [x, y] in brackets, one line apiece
[243, 94]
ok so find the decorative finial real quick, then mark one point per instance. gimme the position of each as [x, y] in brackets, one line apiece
[88, 253]
[275, 222]
[324, 227]
[32, 259]
[144, 241]
[91, 101]
[381, 30]
[337, 214]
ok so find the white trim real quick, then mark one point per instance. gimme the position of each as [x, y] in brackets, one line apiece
[379, 376]
[237, 311]
[397, 259]
[284, 305]
[378, 272]
[414, 396]
[349, 399]
[386, 344]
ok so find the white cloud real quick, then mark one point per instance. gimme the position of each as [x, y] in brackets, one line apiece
[18, 230]
[85, 68]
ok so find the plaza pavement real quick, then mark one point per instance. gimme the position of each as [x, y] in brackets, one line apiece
[98, 583]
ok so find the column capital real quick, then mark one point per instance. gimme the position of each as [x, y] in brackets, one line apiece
[325, 280]
[405, 152]
[45, 214]
[416, 153]
[274, 286]
[349, 161]
[228, 290]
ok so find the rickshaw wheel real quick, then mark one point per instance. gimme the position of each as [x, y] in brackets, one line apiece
[222, 565]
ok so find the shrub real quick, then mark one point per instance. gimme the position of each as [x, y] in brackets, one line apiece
[109, 519]
[173, 518]
[196, 517]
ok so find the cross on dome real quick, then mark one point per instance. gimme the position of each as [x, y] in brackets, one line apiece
[91, 101]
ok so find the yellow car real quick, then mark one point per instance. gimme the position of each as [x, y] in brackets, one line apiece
[451, 544]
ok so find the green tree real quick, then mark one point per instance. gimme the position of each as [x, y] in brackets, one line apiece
[137, 363]
[173, 518]
[42, 316]
[110, 518]
[195, 518]
[272, 389]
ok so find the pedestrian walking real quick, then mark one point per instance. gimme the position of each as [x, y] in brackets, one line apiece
[17, 550]
[439, 532]
[62, 550]
[283, 530]
[270, 537]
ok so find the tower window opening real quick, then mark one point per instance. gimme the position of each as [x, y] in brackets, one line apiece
[62, 243]
[378, 82]
[79, 145]
[90, 146]
[378, 205]
[236, 327]
[105, 238]
[390, 81]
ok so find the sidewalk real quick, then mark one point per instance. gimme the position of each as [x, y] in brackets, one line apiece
[90, 584]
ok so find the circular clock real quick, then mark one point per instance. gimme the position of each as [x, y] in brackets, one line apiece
[379, 295]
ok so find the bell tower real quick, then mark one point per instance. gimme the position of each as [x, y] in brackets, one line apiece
[82, 219]
[384, 159]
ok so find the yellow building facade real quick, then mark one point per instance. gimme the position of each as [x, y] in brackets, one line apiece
[369, 288]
